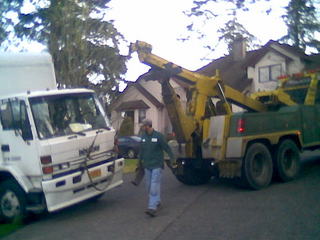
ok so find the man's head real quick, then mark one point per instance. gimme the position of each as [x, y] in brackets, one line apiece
[147, 125]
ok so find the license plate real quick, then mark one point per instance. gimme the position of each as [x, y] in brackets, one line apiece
[95, 173]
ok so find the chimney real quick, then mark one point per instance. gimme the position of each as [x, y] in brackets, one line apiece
[239, 49]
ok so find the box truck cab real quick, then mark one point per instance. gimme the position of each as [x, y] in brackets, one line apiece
[57, 146]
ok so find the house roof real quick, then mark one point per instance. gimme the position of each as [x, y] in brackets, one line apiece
[131, 105]
[149, 96]
[313, 61]
[253, 57]
[234, 73]
[295, 50]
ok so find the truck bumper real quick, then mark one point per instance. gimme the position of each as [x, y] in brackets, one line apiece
[70, 189]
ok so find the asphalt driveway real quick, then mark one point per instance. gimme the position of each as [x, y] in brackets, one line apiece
[218, 210]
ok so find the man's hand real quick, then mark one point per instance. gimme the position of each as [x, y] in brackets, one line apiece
[174, 165]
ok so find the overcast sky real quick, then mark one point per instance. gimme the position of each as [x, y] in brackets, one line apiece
[161, 23]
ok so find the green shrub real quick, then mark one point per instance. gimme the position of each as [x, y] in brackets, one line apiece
[126, 128]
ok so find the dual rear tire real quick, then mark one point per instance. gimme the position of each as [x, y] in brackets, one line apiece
[258, 166]
[287, 161]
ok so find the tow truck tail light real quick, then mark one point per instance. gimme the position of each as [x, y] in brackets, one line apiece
[240, 126]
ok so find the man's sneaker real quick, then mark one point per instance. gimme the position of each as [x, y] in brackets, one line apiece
[159, 206]
[151, 212]
[134, 183]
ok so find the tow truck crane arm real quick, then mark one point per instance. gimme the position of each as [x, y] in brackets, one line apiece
[202, 87]
[207, 86]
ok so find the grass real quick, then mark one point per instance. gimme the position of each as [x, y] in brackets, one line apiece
[6, 229]
[130, 165]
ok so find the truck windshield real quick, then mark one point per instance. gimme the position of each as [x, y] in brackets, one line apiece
[65, 114]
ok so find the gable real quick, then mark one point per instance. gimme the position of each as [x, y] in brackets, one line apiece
[256, 56]
[131, 97]
[131, 105]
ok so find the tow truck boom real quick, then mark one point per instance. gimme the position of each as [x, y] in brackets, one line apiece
[202, 88]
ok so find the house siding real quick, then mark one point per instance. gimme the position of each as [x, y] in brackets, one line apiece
[130, 95]
[156, 114]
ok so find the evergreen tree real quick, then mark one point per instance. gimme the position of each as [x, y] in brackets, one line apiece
[233, 30]
[83, 44]
[302, 22]
[210, 11]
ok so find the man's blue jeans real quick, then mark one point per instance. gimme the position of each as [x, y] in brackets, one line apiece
[153, 182]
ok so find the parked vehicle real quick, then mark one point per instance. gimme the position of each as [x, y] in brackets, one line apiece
[57, 146]
[129, 146]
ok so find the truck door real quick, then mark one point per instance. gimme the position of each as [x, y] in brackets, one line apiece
[18, 148]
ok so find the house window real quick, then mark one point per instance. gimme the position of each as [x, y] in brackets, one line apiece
[269, 73]
[142, 115]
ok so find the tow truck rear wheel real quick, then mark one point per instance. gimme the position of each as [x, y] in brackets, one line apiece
[193, 176]
[12, 202]
[287, 162]
[257, 167]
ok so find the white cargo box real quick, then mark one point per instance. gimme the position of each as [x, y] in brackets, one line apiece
[22, 72]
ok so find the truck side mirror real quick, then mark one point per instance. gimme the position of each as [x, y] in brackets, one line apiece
[25, 126]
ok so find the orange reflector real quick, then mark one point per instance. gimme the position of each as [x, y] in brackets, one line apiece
[283, 77]
[47, 170]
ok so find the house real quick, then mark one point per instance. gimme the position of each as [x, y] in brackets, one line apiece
[142, 99]
[258, 70]
[246, 71]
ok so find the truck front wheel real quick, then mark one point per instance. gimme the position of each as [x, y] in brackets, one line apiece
[287, 162]
[257, 167]
[12, 202]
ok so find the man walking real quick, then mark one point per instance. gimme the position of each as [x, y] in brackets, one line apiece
[151, 156]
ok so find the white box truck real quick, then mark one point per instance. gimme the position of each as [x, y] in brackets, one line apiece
[57, 146]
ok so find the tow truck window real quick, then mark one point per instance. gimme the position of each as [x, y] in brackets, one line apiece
[61, 115]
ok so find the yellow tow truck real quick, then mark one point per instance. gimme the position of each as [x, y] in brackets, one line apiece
[265, 139]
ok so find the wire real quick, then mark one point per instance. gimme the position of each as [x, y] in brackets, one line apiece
[88, 157]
